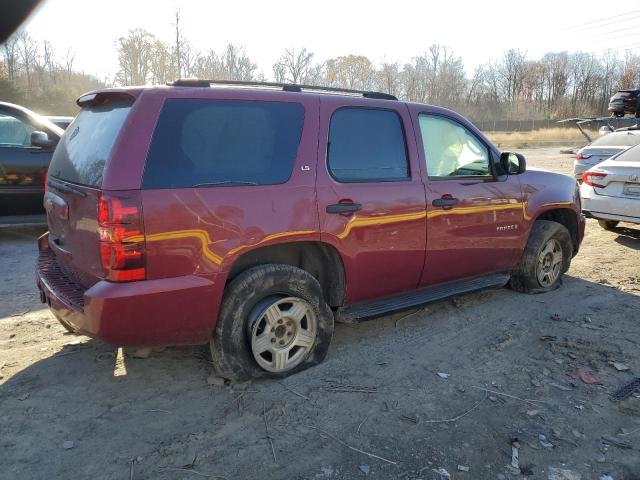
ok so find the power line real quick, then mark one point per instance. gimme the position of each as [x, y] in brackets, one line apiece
[583, 24]
[624, 36]
[616, 30]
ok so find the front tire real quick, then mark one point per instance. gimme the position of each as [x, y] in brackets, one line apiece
[546, 258]
[608, 224]
[273, 322]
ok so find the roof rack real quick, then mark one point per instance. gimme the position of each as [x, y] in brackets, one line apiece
[286, 87]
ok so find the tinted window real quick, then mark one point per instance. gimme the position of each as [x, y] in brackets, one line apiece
[451, 150]
[14, 132]
[367, 145]
[200, 142]
[86, 144]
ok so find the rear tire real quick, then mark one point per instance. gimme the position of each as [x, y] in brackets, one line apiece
[608, 224]
[273, 322]
[545, 259]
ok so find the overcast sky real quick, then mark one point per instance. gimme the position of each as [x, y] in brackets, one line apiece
[396, 30]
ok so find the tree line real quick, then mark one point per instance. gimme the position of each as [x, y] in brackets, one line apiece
[35, 75]
[514, 86]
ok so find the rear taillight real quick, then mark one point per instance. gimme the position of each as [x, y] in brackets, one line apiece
[582, 156]
[593, 178]
[122, 247]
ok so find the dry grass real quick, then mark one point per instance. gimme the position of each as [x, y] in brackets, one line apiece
[542, 137]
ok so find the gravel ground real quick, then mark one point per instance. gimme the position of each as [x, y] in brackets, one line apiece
[72, 407]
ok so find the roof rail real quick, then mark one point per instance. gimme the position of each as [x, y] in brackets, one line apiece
[287, 87]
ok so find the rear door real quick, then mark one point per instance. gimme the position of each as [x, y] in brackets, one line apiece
[474, 219]
[371, 198]
[75, 185]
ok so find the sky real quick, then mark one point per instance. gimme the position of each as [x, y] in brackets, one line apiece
[395, 31]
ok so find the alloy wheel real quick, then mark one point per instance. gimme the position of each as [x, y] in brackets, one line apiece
[549, 263]
[282, 332]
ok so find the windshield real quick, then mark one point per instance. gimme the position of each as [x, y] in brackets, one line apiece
[625, 139]
[83, 151]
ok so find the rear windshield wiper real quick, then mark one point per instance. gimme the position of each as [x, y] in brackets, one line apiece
[224, 182]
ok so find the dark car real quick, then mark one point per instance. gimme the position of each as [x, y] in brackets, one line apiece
[625, 102]
[60, 121]
[252, 218]
[27, 141]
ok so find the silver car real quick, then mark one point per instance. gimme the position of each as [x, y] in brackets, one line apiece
[602, 148]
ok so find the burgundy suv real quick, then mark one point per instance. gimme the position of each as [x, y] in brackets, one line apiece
[251, 217]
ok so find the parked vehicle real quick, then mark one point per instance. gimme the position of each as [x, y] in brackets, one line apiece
[625, 102]
[27, 141]
[602, 148]
[62, 122]
[251, 218]
[611, 191]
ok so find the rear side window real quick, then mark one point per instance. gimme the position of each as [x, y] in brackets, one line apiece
[367, 145]
[84, 148]
[223, 142]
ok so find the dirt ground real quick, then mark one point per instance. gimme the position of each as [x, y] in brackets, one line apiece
[72, 407]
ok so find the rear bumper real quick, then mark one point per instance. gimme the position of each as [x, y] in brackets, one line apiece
[579, 168]
[609, 208]
[173, 311]
[610, 216]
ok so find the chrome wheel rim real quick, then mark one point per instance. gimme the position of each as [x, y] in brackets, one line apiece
[283, 332]
[549, 263]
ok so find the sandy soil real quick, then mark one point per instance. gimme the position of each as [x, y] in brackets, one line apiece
[71, 407]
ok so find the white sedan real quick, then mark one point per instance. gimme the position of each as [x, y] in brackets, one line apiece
[602, 148]
[610, 191]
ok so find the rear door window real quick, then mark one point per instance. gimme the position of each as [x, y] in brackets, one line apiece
[367, 145]
[200, 142]
[84, 148]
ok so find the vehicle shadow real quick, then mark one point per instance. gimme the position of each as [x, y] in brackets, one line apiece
[115, 408]
[629, 237]
[18, 253]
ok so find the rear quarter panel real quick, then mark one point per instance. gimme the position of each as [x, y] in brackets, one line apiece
[203, 231]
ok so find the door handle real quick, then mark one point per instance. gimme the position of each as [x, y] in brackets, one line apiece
[344, 208]
[445, 202]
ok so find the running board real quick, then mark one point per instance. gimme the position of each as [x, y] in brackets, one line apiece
[404, 301]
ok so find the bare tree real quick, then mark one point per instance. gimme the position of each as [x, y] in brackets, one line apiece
[388, 78]
[28, 52]
[293, 66]
[10, 55]
[135, 52]
[178, 47]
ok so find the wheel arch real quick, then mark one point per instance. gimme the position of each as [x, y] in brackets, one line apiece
[320, 259]
[566, 217]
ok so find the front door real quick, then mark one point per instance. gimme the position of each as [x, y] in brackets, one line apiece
[371, 199]
[22, 167]
[474, 217]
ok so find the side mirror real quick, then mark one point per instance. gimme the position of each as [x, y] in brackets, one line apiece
[41, 140]
[513, 163]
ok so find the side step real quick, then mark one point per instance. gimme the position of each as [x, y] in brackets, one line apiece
[404, 301]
